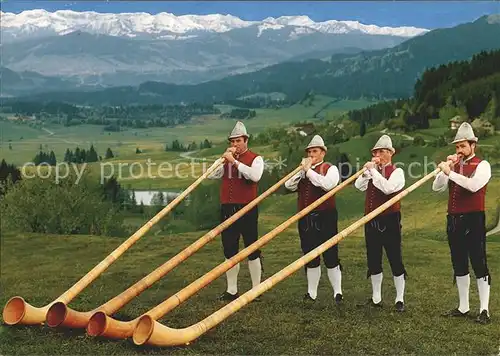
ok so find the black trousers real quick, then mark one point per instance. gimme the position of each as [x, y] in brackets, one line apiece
[246, 226]
[384, 232]
[467, 240]
[316, 228]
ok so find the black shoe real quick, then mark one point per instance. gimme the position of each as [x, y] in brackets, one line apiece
[338, 299]
[455, 313]
[483, 318]
[228, 296]
[371, 304]
[308, 298]
[400, 307]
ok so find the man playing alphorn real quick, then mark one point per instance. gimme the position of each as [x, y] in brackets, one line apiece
[382, 181]
[240, 175]
[312, 182]
[466, 178]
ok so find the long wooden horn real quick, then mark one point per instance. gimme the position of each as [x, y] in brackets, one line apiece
[150, 332]
[18, 311]
[60, 314]
[105, 326]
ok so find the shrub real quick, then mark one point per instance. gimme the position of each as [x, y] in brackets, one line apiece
[418, 141]
[67, 207]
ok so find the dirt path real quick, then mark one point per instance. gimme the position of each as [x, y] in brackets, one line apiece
[47, 130]
[408, 137]
[187, 155]
[52, 134]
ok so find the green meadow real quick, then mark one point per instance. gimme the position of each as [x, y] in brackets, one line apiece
[280, 323]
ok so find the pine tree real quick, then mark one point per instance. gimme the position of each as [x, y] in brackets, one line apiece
[83, 155]
[109, 154]
[67, 155]
[92, 154]
[78, 156]
[362, 129]
[8, 172]
[161, 201]
[52, 159]
[133, 202]
[158, 199]
[490, 113]
[38, 158]
[345, 167]
[161, 198]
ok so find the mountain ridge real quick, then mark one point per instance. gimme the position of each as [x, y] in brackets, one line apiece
[106, 60]
[168, 26]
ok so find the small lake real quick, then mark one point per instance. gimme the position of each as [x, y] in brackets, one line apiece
[146, 196]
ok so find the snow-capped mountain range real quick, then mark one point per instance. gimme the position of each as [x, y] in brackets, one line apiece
[108, 49]
[165, 25]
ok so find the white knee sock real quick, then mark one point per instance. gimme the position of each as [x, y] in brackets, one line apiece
[463, 284]
[335, 277]
[483, 288]
[255, 271]
[232, 279]
[313, 276]
[377, 287]
[399, 283]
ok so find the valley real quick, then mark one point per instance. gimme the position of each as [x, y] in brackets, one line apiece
[105, 118]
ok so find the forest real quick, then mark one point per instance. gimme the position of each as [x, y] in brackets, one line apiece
[470, 89]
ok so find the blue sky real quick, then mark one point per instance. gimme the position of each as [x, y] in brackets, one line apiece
[426, 14]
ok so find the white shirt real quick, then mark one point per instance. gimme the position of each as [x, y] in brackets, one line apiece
[326, 182]
[479, 178]
[395, 183]
[253, 173]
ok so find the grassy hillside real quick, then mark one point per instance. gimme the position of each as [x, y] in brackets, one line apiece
[280, 323]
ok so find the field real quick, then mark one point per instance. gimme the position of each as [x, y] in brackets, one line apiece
[280, 323]
[26, 142]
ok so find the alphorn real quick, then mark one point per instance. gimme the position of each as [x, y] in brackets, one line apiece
[151, 332]
[102, 325]
[60, 314]
[18, 311]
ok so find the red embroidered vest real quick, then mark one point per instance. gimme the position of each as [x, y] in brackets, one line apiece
[461, 200]
[308, 193]
[375, 197]
[235, 189]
